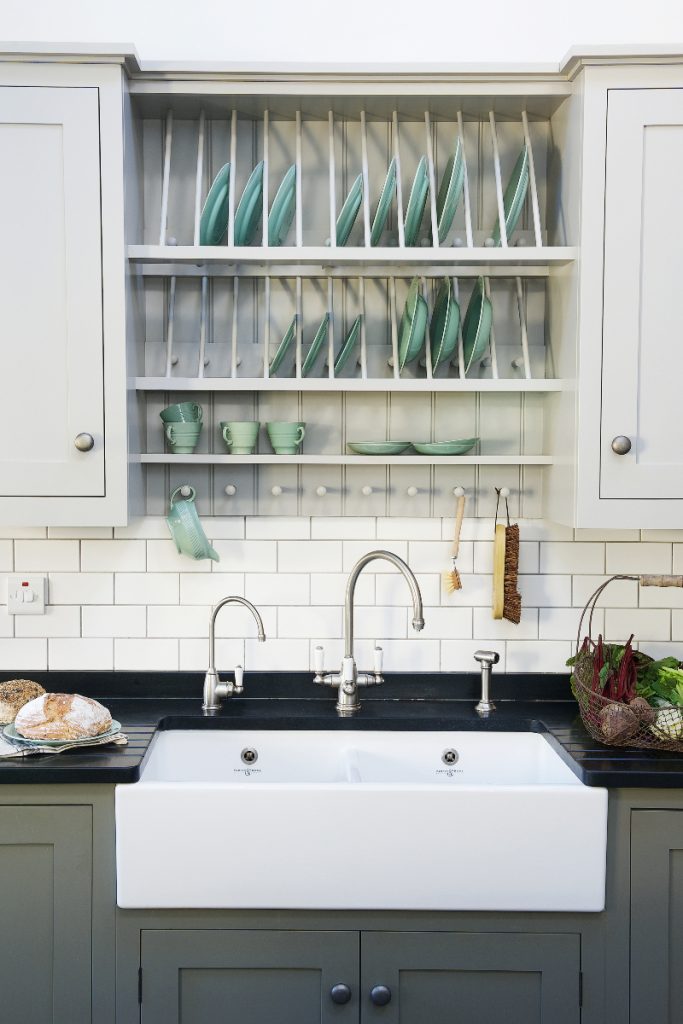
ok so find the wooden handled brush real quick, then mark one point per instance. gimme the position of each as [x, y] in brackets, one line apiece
[451, 579]
[507, 601]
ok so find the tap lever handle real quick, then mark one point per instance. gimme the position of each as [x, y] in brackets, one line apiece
[487, 658]
[239, 679]
[378, 657]
[319, 659]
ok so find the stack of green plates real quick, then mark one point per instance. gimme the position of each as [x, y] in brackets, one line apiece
[515, 194]
[282, 211]
[476, 328]
[458, 447]
[450, 191]
[349, 211]
[413, 325]
[383, 204]
[248, 212]
[443, 329]
[213, 222]
[416, 202]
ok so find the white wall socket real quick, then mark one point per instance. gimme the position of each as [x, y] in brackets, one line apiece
[26, 595]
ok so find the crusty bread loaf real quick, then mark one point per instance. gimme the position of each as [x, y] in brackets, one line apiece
[62, 716]
[14, 694]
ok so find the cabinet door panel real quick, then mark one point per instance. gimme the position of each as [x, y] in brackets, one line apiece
[50, 292]
[45, 895]
[478, 978]
[643, 319]
[656, 917]
[199, 977]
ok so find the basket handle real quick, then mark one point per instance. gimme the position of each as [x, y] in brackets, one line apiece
[661, 581]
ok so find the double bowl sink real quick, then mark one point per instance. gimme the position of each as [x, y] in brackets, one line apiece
[227, 818]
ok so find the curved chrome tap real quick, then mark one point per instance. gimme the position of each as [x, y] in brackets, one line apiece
[349, 679]
[214, 689]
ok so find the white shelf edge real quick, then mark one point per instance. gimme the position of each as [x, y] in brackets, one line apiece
[356, 256]
[451, 385]
[206, 459]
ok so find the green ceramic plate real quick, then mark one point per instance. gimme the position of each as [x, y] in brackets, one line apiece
[312, 354]
[213, 222]
[378, 447]
[384, 202]
[413, 326]
[250, 206]
[349, 211]
[416, 202]
[12, 734]
[282, 348]
[460, 447]
[443, 329]
[450, 191]
[476, 328]
[282, 210]
[514, 196]
[348, 346]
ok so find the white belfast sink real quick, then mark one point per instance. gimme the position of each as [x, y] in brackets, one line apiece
[360, 820]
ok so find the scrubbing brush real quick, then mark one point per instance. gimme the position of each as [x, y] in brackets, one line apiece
[507, 601]
[451, 579]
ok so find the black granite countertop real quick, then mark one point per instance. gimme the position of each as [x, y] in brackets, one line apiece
[144, 703]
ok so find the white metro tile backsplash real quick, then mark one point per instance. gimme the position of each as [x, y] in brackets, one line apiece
[125, 599]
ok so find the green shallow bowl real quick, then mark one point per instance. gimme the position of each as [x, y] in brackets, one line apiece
[378, 447]
[250, 207]
[213, 222]
[11, 733]
[460, 447]
[349, 211]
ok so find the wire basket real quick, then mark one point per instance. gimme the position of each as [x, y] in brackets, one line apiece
[611, 711]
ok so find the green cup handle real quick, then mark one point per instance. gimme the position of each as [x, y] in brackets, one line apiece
[199, 412]
[192, 495]
[170, 433]
[226, 436]
[300, 434]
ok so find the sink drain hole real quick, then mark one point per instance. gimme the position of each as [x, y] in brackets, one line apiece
[450, 756]
[249, 755]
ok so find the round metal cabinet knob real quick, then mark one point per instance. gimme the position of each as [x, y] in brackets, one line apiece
[84, 442]
[340, 994]
[380, 995]
[621, 445]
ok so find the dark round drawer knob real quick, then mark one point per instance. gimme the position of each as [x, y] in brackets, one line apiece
[380, 995]
[340, 994]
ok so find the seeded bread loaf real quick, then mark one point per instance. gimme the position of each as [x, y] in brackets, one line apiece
[14, 694]
[62, 716]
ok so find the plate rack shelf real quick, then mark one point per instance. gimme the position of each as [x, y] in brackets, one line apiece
[211, 317]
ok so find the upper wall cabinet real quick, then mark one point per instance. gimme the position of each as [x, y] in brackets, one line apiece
[62, 447]
[629, 457]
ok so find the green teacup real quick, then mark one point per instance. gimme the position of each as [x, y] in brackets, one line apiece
[285, 437]
[240, 435]
[183, 437]
[182, 412]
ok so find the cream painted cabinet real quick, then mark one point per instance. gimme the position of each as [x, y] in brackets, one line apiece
[642, 341]
[58, 446]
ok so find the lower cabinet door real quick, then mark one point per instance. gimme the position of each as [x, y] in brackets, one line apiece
[46, 903]
[656, 917]
[249, 977]
[470, 978]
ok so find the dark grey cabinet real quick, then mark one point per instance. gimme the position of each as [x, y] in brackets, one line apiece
[656, 916]
[203, 976]
[295, 977]
[46, 901]
[470, 977]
